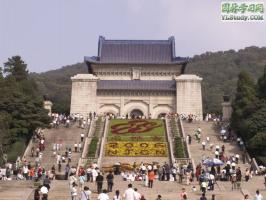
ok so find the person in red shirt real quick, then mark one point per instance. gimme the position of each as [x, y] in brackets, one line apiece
[151, 177]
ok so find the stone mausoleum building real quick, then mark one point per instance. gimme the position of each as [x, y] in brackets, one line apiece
[140, 77]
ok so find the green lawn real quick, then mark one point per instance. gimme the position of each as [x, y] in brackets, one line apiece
[136, 130]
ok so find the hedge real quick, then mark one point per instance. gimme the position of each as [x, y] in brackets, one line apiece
[93, 147]
[179, 148]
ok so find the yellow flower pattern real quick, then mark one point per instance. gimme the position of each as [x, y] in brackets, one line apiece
[156, 149]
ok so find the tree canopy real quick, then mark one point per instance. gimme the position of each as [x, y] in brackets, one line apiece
[21, 106]
[249, 113]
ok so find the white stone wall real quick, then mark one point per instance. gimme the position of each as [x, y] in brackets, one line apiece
[188, 95]
[123, 104]
[186, 100]
[83, 94]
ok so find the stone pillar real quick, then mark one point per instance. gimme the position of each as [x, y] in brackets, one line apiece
[48, 106]
[83, 94]
[122, 103]
[227, 110]
[188, 95]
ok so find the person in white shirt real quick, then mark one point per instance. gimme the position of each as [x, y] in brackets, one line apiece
[82, 137]
[103, 195]
[94, 174]
[74, 191]
[129, 194]
[44, 191]
[117, 195]
[258, 196]
[85, 194]
[137, 195]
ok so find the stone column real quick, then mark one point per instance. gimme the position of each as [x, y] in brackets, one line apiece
[83, 94]
[122, 103]
[227, 110]
[188, 95]
[48, 106]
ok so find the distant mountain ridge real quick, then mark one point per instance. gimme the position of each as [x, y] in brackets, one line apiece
[219, 71]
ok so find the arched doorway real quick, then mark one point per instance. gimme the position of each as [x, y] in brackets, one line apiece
[161, 115]
[136, 113]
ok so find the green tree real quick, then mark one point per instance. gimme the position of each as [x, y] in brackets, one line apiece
[258, 143]
[245, 96]
[16, 68]
[21, 107]
[262, 85]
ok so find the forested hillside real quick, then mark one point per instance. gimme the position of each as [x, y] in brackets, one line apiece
[56, 84]
[219, 71]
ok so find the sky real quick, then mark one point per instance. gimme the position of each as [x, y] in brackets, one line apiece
[49, 34]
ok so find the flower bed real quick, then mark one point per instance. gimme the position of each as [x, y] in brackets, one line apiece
[158, 149]
[136, 138]
[132, 129]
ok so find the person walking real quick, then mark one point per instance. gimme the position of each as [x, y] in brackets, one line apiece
[74, 191]
[203, 197]
[37, 193]
[85, 194]
[47, 182]
[110, 181]
[129, 193]
[99, 181]
[117, 195]
[258, 196]
[151, 177]
[103, 195]
[137, 195]
[44, 192]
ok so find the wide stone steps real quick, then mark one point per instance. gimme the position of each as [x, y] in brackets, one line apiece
[169, 190]
[15, 190]
[67, 137]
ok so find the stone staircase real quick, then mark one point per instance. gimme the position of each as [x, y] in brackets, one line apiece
[15, 190]
[209, 130]
[67, 136]
[197, 152]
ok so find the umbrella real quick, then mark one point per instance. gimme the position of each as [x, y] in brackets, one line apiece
[212, 162]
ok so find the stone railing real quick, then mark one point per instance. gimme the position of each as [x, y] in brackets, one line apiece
[183, 133]
[83, 160]
[88, 139]
[28, 149]
[170, 141]
[103, 139]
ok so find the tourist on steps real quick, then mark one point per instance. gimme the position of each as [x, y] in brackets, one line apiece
[99, 181]
[110, 181]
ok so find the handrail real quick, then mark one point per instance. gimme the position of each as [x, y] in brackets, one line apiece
[170, 141]
[103, 139]
[87, 140]
[28, 148]
[187, 145]
[85, 146]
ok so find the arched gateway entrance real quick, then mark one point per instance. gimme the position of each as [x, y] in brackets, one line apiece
[136, 113]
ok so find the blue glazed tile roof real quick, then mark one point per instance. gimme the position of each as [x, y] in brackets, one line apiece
[136, 51]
